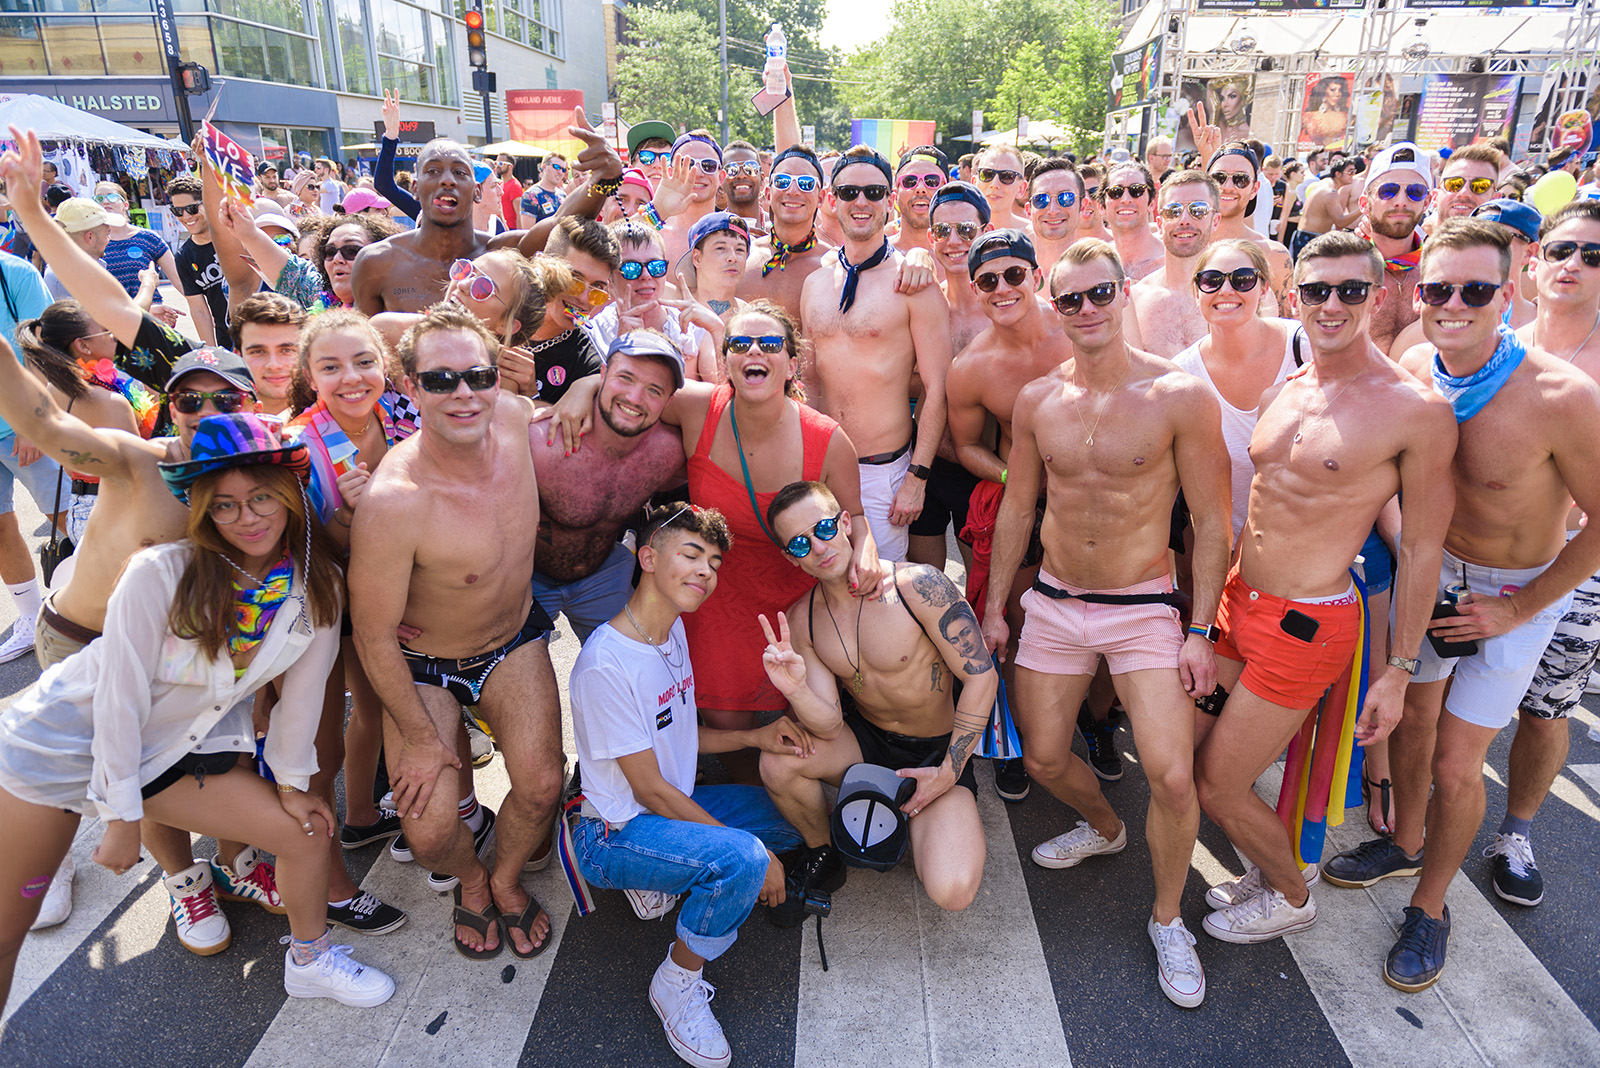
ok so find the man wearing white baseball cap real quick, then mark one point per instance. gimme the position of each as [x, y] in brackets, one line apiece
[90, 226]
[1398, 193]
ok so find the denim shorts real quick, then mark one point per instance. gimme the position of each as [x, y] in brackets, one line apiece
[40, 477]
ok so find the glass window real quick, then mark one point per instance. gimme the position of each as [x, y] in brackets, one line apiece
[73, 47]
[131, 46]
[121, 7]
[399, 30]
[21, 50]
[287, 14]
[315, 143]
[443, 64]
[353, 46]
[194, 41]
[275, 145]
[64, 6]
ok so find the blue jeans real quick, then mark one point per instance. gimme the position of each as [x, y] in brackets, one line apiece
[590, 601]
[722, 869]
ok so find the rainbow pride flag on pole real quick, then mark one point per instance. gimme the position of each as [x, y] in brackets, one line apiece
[891, 137]
[232, 165]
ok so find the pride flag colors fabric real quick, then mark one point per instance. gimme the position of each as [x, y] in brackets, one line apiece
[540, 117]
[232, 165]
[891, 137]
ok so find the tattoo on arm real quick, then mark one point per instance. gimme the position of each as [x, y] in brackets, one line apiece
[934, 588]
[78, 459]
[959, 625]
[960, 749]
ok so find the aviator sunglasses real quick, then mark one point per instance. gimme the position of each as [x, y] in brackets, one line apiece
[942, 231]
[799, 546]
[1561, 251]
[1066, 198]
[1479, 186]
[1416, 191]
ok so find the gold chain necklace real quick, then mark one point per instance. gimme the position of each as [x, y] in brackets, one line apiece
[1101, 407]
[857, 683]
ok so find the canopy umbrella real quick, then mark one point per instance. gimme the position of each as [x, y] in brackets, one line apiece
[1040, 132]
[55, 121]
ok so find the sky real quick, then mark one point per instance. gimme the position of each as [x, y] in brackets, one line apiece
[849, 24]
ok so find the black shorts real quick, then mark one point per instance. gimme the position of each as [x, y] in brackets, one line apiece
[950, 487]
[465, 677]
[197, 764]
[896, 751]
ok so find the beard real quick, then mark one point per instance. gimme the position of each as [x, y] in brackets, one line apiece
[1396, 230]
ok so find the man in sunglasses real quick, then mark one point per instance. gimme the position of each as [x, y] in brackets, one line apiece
[1055, 193]
[1398, 192]
[1468, 181]
[1331, 203]
[921, 172]
[1165, 308]
[1108, 437]
[741, 183]
[650, 148]
[869, 338]
[1127, 194]
[781, 261]
[466, 589]
[198, 270]
[999, 173]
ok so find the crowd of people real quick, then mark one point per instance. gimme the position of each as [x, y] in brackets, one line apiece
[334, 532]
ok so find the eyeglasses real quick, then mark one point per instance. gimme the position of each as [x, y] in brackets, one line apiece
[708, 165]
[348, 253]
[226, 401]
[109, 198]
[749, 166]
[989, 281]
[648, 156]
[595, 294]
[479, 285]
[1114, 192]
[989, 174]
[1242, 280]
[771, 344]
[941, 231]
[477, 379]
[799, 546]
[1099, 296]
[1479, 186]
[187, 209]
[930, 181]
[1198, 210]
[1561, 252]
[1066, 198]
[226, 513]
[1416, 191]
[1351, 292]
[632, 270]
[849, 193]
[1240, 181]
[1473, 294]
[805, 182]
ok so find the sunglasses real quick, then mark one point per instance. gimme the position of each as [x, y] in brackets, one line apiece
[1473, 294]
[1479, 186]
[1561, 252]
[771, 344]
[1242, 280]
[557, 167]
[804, 182]
[1198, 210]
[187, 209]
[989, 281]
[1099, 296]
[799, 546]
[1066, 198]
[227, 401]
[1136, 190]
[710, 166]
[1351, 292]
[744, 167]
[108, 198]
[1239, 181]
[648, 156]
[1416, 191]
[849, 193]
[1511, 194]
[942, 231]
[477, 379]
[480, 286]
[348, 253]
[911, 181]
[989, 174]
[597, 297]
[632, 270]
[1090, 192]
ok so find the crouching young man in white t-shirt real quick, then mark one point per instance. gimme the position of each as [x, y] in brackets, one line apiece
[646, 828]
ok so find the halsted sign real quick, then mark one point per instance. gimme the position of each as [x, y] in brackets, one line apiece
[137, 103]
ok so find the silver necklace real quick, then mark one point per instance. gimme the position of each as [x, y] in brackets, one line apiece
[1569, 357]
[540, 346]
[1320, 411]
[683, 697]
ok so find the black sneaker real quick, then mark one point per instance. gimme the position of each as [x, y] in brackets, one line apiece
[1103, 756]
[819, 871]
[1370, 861]
[1516, 876]
[400, 849]
[446, 883]
[1417, 958]
[1011, 780]
[367, 914]
[388, 826]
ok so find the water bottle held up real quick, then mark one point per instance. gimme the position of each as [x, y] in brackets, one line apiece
[777, 56]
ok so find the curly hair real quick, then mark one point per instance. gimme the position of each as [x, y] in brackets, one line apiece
[377, 228]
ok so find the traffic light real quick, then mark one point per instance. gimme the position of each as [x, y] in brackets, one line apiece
[195, 79]
[477, 56]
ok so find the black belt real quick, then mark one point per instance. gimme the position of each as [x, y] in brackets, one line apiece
[879, 458]
[81, 488]
[1173, 598]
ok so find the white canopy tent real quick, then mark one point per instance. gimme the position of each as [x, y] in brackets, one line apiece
[54, 121]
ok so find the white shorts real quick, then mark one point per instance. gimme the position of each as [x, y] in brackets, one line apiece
[1490, 684]
[879, 484]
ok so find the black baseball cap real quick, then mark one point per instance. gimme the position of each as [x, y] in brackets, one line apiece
[998, 244]
[225, 363]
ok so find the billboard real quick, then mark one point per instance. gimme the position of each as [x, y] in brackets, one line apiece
[1134, 75]
[1325, 114]
[1229, 100]
[540, 117]
[1458, 109]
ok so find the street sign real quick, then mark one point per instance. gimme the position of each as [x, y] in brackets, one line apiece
[808, 136]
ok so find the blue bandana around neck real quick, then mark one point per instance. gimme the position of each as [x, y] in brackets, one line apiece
[852, 273]
[1469, 395]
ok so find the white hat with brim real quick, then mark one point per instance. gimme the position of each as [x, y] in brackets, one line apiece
[77, 214]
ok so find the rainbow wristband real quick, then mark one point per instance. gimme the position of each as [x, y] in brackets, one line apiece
[1204, 632]
[652, 216]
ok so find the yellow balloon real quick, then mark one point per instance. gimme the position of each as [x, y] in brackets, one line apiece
[1554, 191]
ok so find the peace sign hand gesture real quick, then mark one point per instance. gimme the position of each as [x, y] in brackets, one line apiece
[785, 667]
[1207, 139]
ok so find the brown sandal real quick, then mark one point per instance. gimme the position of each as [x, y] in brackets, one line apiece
[522, 921]
[480, 922]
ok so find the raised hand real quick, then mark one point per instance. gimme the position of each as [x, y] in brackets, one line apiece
[23, 167]
[1207, 139]
[785, 667]
[672, 192]
[391, 114]
[598, 159]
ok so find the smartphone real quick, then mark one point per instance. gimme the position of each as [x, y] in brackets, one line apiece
[1444, 646]
[1297, 624]
[1211, 704]
[766, 103]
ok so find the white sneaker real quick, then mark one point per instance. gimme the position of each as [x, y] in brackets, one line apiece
[57, 904]
[21, 641]
[1265, 916]
[650, 904]
[250, 879]
[683, 1001]
[334, 975]
[202, 927]
[1177, 964]
[1069, 850]
[1238, 891]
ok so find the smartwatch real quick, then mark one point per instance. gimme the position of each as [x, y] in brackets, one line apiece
[1210, 634]
[1409, 666]
[919, 471]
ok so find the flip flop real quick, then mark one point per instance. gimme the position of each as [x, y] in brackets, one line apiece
[1384, 796]
[521, 922]
[480, 922]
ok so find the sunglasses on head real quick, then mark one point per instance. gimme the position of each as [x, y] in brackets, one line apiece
[848, 193]
[477, 379]
[989, 281]
[989, 174]
[1479, 186]
[748, 166]
[187, 209]
[348, 253]
[648, 156]
[1066, 198]
[1351, 292]
[480, 286]
[911, 181]
[1240, 181]
[633, 269]
[805, 182]
[710, 165]
[1242, 280]
[1198, 210]
[1561, 251]
[1099, 295]
[1114, 192]
[771, 344]
[799, 546]
[227, 401]
[942, 231]
[1473, 294]
[1416, 191]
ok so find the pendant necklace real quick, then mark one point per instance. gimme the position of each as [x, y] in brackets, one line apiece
[1573, 354]
[683, 697]
[857, 683]
[1100, 409]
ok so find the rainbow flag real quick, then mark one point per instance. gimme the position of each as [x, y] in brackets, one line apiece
[891, 137]
[232, 165]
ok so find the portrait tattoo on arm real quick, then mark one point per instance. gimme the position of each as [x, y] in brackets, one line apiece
[959, 625]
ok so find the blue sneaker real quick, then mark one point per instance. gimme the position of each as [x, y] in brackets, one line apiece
[1417, 958]
[1370, 861]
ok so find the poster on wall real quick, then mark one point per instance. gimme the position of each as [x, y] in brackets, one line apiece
[1377, 105]
[540, 117]
[1458, 109]
[1133, 75]
[1570, 127]
[1229, 101]
[1325, 115]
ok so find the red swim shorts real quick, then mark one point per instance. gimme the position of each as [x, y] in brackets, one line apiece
[1278, 666]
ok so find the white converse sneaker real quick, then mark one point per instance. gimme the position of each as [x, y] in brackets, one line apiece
[1177, 964]
[202, 927]
[334, 975]
[57, 904]
[650, 904]
[683, 1001]
[21, 641]
[1069, 850]
[249, 879]
[1265, 916]
[1238, 891]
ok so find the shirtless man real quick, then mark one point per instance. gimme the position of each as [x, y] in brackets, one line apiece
[921, 172]
[959, 216]
[909, 655]
[868, 339]
[1235, 164]
[1398, 191]
[1127, 195]
[1290, 620]
[741, 184]
[1331, 203]
[414, 561]
[697, 168]
[1164, 303]
[781, 261]
[1467, 182]
[588, 497]
[1109, 487]
[998, 171]
[1527, 452]
[1055, 192]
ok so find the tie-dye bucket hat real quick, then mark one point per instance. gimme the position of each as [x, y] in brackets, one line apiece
[235, 440]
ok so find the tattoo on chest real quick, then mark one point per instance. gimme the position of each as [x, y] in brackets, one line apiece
[938, 676]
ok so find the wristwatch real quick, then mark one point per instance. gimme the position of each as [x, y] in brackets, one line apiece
[1210, 633]
[1409, 666]
[920, 471]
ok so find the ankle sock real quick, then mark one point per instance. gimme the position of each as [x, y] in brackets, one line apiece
[27, 599]
[303, 953]
[471, 812]
[340, 904]
[1512, 825]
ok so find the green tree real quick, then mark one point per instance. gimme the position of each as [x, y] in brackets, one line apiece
[1026, 88]
[668, 70]
[1082, 72]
